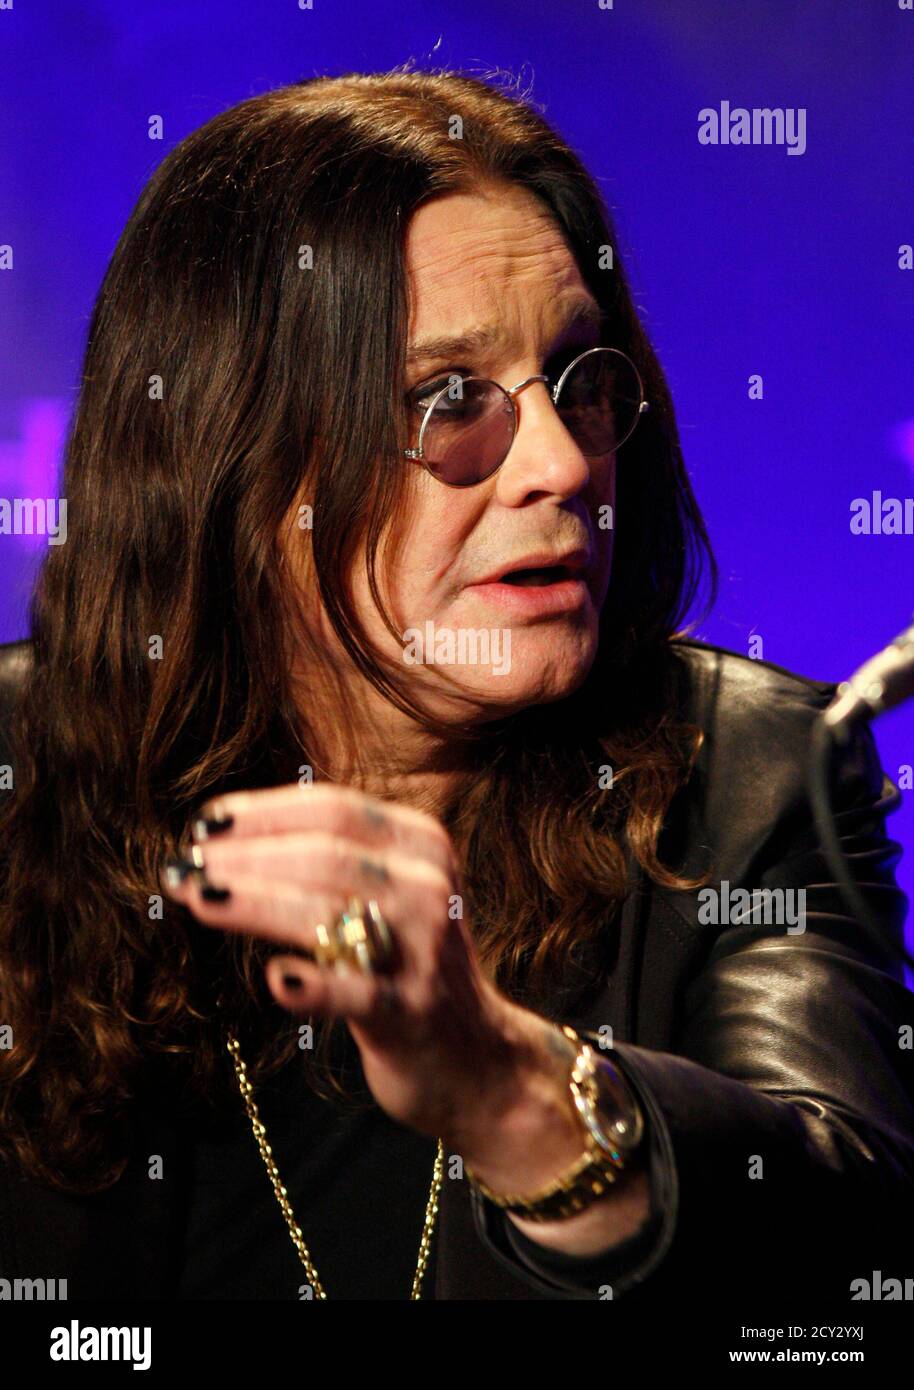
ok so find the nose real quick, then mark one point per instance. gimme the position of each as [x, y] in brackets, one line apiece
[544, 459]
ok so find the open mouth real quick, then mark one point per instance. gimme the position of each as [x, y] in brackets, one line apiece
[534, 578]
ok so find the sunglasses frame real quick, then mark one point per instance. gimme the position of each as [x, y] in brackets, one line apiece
[417, 455]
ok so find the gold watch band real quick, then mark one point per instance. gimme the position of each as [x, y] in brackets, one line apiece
[586, 1181]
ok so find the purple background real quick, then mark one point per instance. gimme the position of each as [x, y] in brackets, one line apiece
[744, 259]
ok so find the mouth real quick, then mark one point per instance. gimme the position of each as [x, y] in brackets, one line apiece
[537, 576]
[541, 569]
[546, 586]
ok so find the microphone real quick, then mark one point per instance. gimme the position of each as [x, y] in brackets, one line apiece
[881, 683]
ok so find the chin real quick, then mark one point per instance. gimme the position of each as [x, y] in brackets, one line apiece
[535, 676]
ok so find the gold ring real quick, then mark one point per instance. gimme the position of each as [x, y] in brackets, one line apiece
[325, 951]
[360, 939]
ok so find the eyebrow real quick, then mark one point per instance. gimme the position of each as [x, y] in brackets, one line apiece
[583, 313]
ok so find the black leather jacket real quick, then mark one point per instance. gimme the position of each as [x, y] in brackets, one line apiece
[771, 1064]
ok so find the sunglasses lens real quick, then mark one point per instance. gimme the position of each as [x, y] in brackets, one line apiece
[469, 432]
[469, 428]
[600, 401]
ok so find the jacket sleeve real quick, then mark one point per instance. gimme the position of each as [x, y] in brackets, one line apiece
[781, 1128]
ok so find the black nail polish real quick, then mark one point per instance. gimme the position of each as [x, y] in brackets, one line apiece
[206, 826]
[215, 895]
[177, 870]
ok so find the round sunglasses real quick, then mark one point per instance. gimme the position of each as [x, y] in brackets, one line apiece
[468, 426]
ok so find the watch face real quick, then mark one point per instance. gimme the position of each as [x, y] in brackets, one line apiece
[614, 1117]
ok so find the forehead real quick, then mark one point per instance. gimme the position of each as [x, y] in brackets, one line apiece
[492, 252]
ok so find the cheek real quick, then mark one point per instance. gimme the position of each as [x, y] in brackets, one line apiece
[439, 529]
[602, 489]
[601, 504]
[422, 570]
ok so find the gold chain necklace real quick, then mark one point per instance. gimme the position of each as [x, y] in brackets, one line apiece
[266, 1153]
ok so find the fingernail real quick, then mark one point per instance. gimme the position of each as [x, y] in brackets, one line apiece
[177, 870]
[172, 876]
[206, 826]
[215, 895]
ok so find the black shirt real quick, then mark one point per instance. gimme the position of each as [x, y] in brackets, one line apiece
[358, 1183]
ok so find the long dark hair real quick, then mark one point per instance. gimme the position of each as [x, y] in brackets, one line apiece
[163, 632]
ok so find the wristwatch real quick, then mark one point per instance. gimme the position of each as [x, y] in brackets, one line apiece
[613, 1129]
